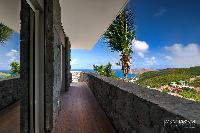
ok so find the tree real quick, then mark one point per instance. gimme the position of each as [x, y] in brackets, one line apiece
[15, 68]
[5, 33]
[104, 70]
[119, 37]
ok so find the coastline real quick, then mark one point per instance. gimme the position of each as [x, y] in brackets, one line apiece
[118, 72]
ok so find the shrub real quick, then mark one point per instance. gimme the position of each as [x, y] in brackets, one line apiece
[104, 70]
[15, 68]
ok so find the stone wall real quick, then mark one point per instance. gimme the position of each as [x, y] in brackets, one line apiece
[25, 16]
[49, 59]
[133, 109]
[9, 92]
[68, 66]
[57, 64]
[63, 88]
[57, 50]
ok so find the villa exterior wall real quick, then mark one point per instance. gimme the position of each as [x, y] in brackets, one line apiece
[9, 92]
[49, 59]
[56, 80]
[24, 65]
[133, 109]
[68, 74]
[64, 56]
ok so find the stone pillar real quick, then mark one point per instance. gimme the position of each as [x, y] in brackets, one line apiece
[24, 66]
[63, 67]
[49, 59]
[54, 61]
[68, 66]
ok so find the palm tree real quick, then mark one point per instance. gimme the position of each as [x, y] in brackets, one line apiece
[5, 33]
[119, 37]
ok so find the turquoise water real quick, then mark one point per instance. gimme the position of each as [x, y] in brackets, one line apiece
[118, 72]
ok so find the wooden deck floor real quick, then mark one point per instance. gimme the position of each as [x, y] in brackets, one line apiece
[81, 113]
[10, 119]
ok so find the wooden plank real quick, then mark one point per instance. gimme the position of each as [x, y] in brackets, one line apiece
[81, 113]
[10, 119]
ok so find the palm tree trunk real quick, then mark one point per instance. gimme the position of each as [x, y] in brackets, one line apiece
[125, 65]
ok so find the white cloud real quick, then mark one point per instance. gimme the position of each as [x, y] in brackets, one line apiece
[12, 52]
[168, 57]
[13, 55]
[150, 61]
[140, 47]
[185, 56]
[74, 61]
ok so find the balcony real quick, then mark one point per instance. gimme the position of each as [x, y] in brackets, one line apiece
[104, 105]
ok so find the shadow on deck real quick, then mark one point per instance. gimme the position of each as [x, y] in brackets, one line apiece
[10, 119]
[81, 113]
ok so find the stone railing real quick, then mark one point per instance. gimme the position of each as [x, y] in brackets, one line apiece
[133, 109]
[9, 91]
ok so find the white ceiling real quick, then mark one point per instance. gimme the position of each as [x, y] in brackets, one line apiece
[84, 21]
[10, 13]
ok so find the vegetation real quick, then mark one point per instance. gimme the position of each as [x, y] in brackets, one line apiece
[119, 37]
[163, 78]
[196, 83]
[190, 94]
[15, 68]
[104, 70]
[5, 33]
[4, 75]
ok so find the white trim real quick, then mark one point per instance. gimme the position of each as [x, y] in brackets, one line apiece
[39, 67]
[31, 5]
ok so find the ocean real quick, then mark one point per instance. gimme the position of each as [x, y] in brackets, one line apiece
[118, 72]
[5, 71]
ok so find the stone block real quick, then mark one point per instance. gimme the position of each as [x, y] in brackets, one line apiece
[131, 108]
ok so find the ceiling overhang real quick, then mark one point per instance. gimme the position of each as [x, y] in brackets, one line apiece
[10, 13]
[84, 21]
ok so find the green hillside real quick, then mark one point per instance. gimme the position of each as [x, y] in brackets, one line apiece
[164, 77]
[156, 79]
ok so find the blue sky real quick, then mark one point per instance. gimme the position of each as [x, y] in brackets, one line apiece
[168, 35]
[9, 51]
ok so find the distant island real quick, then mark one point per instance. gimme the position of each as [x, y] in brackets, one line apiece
[139, 71]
